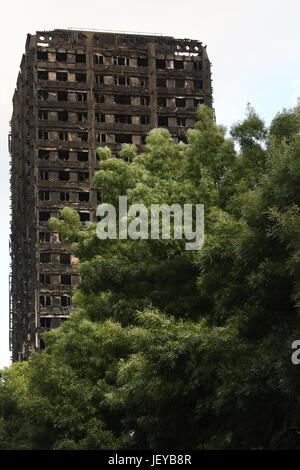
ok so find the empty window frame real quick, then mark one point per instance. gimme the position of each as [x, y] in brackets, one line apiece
[61, 56]
[43, 135]
[44, 175]
[98, 59]
[45, 279]
[161, 82]
[123, 118]
[43, 115]
[82, 116]
[42, 75]
[63, 154]
[44, 216]
[62, 115]
[80, 58]
[122, 99]
[63, 175]
[43, 95]
[180, 83]
[100, 117]
[121, 80]
[65, 301]
[143, 81]
[84, 216]
[181, 121]
[84, 196]
[80, 77]
[99, 98]
[62, 96]
[45, 322]
[81, 97]
[66, 279]
[44, 154]
[163, 121]
[145, 120]
[45, 300]
[100, 137]
[99, 78]
[198, 101]
[198, 84]
[42, 55]
[145, 100]
[83, 136]
[64, 196]
[83, 176]
[123, 138]
[178, 64]
[44, 237]
[161, 63]
[162, 102]
[44, 195]
[198, 66]
[121, 61]
[64, 258]
[83, 156]
[180, 102]
[142, 62]
[61, 76]
[63, 135]
[45, 258]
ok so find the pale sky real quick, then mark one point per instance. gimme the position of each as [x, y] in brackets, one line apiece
[254, 48]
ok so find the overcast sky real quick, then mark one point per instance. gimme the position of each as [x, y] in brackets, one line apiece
[254, 47]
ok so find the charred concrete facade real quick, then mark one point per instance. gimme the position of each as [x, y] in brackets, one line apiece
[76, 91]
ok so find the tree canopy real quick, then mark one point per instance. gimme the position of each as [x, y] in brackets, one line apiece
[172, 348]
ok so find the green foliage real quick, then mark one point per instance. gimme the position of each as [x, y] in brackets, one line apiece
[171, 348]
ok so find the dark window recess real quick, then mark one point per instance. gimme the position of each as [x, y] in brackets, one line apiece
[82, 97]
[80, 77]
[62, 115]
[83, 136]
[180, 83]
[198, 65]
[143, 139]
[161, 82]
[180, 102]
[142, 62]
[44, 154]
[44, 195]
[123, 138]
[45, 300]
[98, 59]
[181, 121]
[42, 75]
[198, 84]
[83, 176]
[64, 197]
[42, 345]
[121, 80]
[44, 175]
[83, 197]
[145, 119]
[44, 216]
[178, 64]
[198, 101]
[123, 118]
[43, 115]
[182, 138]
[122, 99]
[61, 56]
[162, 101]
[43, 95]
[81, 117]
[63, 135]
[80, 58]
[42, 55]
[161, 63]
[99, 98]
[100, 117]
[45, 279]
[163, 121]
[99, 197]
[45, 322]
[62, 96]
[44, 236]
[64, 259]
[45, 257]
[100, 138]
[62, 76]
[99, 78]
[121, 60]
[143, 82]
[63, 154]
[63, 175]
[84, 216]
[66, 279]
[145, 100]
[65, 301]
[43, 135]
[83, 156]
